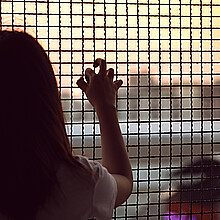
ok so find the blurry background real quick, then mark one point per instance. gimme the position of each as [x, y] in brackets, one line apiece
[167, 54]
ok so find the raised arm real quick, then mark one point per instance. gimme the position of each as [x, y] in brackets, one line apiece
[101, 92]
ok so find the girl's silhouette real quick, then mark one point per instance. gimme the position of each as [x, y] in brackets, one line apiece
[40, 178]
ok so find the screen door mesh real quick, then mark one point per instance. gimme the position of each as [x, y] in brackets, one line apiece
[167, 54]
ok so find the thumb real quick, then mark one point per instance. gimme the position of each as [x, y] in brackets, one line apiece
[82, 84]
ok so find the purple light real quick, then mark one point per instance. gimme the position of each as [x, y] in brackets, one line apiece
[174, 216]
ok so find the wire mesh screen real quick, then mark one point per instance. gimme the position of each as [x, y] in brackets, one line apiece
[167, 54]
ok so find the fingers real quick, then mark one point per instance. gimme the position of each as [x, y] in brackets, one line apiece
[110, 73]
[102, 63]
[88, 74]
[82, 84]
[118, 84]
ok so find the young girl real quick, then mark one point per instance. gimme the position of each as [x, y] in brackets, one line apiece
[40, 178]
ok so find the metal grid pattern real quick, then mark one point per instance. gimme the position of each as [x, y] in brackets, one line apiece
[167, 54]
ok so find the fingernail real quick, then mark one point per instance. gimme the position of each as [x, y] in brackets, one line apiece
[95, 64]
[88, 70]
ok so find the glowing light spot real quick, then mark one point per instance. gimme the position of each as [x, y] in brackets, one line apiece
[175, 216]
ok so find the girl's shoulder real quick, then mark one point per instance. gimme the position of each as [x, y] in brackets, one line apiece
[105, 190]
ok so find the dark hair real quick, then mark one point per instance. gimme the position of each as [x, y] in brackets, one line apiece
[32, 129]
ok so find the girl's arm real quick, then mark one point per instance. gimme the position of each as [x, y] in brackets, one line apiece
[101, 92]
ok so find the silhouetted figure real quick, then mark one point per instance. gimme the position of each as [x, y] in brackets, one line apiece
[40, 178]
[199, 195]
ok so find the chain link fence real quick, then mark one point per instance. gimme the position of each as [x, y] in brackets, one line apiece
[167, 54]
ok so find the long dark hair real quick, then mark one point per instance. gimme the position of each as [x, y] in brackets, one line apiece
[33, 139]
